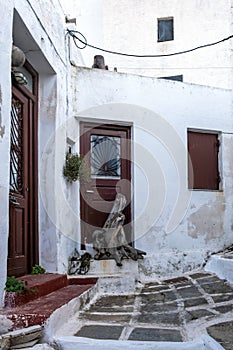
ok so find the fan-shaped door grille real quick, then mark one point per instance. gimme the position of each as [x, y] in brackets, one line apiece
[105, 156]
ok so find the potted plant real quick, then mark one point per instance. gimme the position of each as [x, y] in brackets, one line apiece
[17, 291]
[38, 270]
[75, 168]
[14, 285]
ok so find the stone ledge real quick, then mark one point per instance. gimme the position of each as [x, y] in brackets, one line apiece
[102, 268]
[221, 266]
[21, 338]
[73, 343]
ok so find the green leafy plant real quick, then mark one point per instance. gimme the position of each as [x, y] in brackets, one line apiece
[38, 270]
[15, 285]
[75, 168]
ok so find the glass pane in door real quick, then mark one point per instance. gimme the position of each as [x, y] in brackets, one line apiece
[105, 157]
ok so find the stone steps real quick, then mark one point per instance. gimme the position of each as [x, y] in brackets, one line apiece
[36, 312]
[38, 285]
[53, 292]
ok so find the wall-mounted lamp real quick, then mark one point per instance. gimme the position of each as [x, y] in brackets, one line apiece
[17, 57]
[70, 20]
[17, 60]
[19, 77]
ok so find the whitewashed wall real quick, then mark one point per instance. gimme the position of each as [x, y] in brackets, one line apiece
[177, 228]
[131, 27]
[89, 19]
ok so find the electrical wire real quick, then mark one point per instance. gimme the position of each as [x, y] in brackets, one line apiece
[76, 38]
[171, 68]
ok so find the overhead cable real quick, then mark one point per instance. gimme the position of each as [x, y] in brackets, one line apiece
[81, 42]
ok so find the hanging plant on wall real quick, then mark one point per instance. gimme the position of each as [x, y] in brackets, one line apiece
[75, 168]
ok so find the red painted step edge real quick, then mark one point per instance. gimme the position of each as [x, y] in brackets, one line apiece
[81, 281]
[38, 286]
[38, 311]
[43, 284]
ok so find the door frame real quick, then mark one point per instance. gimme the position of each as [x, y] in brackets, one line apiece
[33, 236]
[125, 163]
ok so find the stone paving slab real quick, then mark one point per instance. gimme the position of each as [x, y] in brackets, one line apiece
[152, 289]
[166, 311]
[181, 285]
[105, 317]
[177, 280]
[159, 307]
[160, 297]
[198, 275]
[114, 308]
[160, 318]
[223, 333]
[150, 334]
[189, 292]
[100, 332]
[222, 298]
[118, 300]
[217, 288]
[205, 280]
[195, 302]
[195, 314]
[224, 309]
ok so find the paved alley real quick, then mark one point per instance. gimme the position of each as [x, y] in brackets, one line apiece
[174, 310]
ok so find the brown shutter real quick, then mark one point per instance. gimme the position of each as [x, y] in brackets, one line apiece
[203, 150]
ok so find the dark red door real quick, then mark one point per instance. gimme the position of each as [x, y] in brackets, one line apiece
[107, 151]
[22, 244]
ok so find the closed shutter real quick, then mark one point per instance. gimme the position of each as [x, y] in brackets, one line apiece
[203, 151]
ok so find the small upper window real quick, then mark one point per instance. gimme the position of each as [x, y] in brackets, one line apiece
[165, 29]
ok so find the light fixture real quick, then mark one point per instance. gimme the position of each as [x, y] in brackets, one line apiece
[70, 20]
[17, 60]
[19, 77]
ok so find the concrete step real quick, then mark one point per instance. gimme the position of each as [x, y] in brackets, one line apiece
[108, 267]
[38, 285]
[36, 312]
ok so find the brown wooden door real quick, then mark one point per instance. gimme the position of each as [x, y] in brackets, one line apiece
[107, 151]
[22, 245]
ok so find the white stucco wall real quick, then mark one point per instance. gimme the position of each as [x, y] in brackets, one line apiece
[131, 27]
[177, 228]
[89, 19]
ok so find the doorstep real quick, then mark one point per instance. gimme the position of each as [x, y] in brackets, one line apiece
[54, 291]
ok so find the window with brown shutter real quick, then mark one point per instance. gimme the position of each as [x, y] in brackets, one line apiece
[203, 161]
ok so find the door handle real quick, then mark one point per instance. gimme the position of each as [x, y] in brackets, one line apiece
[13, 200]
[89, 191]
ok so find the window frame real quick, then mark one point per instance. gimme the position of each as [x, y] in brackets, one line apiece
[164, 19]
